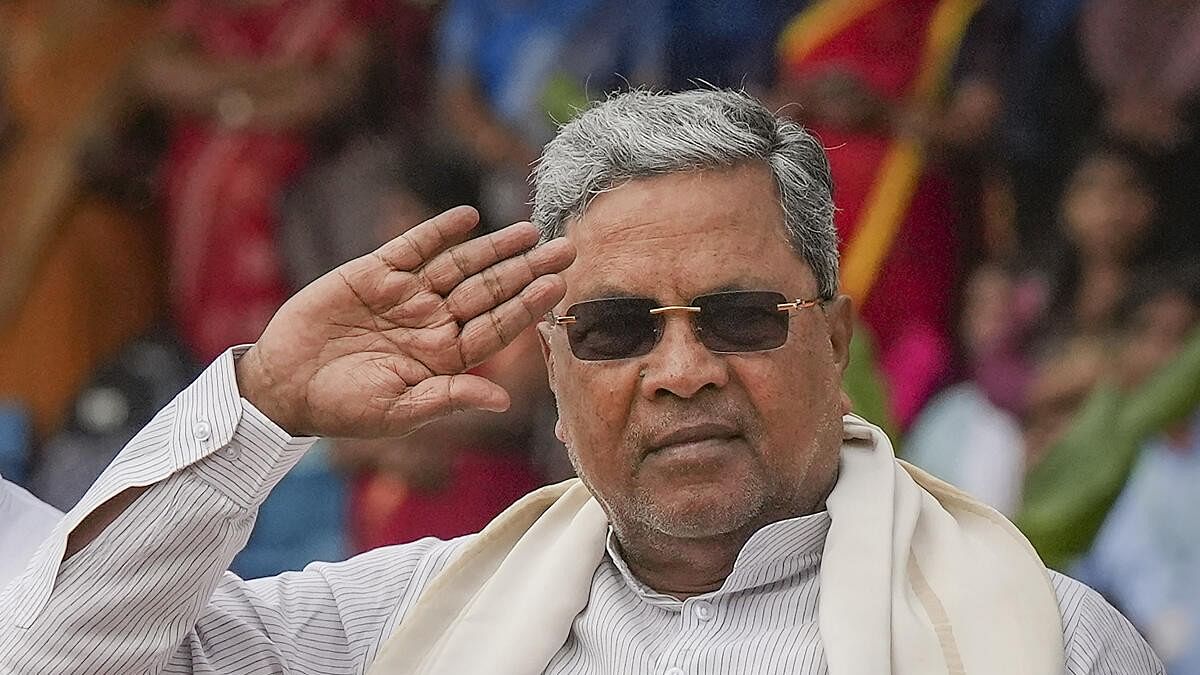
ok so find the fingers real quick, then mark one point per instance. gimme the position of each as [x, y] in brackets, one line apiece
[422, 243]
[451, 267]
[491, 331]
[496, 284]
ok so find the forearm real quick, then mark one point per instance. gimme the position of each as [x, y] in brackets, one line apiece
[149, 575]
[142, 552]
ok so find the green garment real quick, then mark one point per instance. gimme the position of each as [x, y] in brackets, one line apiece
[865, 385]
[1069, 493]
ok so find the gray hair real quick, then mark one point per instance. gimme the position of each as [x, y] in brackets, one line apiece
[639, 134]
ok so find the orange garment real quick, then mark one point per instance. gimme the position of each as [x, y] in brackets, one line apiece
[97, 288]
[894, 219]
[78, 276]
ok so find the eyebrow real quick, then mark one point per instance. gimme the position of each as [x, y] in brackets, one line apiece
[604, 291]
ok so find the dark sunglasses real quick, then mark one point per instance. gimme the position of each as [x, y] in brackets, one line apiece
[725, 323]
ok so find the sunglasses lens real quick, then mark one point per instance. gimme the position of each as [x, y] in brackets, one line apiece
[614, 328]
[742, 321]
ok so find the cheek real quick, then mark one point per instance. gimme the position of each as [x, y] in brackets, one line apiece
[791, 392]
[594, 408]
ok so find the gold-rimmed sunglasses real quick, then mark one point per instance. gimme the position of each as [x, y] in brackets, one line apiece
[730, 322]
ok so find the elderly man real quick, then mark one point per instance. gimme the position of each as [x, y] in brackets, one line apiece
[731, 516]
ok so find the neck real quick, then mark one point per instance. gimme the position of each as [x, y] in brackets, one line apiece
[683, 567]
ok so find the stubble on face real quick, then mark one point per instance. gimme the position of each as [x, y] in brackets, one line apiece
[673, 238]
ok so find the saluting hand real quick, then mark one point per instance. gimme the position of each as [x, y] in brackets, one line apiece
[381, 345]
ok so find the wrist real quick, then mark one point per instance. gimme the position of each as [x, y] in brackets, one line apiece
[255, 384]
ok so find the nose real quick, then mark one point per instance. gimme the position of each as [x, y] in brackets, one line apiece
[679, 365]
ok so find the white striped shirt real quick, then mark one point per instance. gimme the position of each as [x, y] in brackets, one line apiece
[150, 594]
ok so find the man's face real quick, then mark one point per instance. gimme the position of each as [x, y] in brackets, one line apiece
[761, 430]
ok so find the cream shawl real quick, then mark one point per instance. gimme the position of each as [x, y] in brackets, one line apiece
[916, 578]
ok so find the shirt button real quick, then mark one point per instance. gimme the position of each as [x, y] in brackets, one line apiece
[674, 671]
[202, 431]
[229, 452]
[703, 610]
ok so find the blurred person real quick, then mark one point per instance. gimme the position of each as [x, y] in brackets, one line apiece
[1110, 222]
[451, 477]
[870, 80]
[25, 521]
[448, 479]
[510, 71]
[247, 82]
[1064, 376]
[1129, 70]
[1144, 57]
[1146, 557]
[1008, 77]
[1093, 414]
[349, 207]
[80, 271]
[1108, 227]
[688, 312]
[962, 436]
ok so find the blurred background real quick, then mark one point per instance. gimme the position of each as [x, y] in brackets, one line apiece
[1018, 183]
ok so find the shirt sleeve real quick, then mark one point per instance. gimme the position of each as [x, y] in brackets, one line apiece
[1098, 640]
[151, 590]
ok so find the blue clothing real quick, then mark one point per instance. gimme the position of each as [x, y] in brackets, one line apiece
[964, 439]
[727, 43]
[533, 59]
[16, 440]
[302, 521]
[1146, 558]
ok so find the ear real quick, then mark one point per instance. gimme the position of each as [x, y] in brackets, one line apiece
[545, 332]
[839, 314]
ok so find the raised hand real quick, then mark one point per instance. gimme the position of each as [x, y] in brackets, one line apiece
[381, 345]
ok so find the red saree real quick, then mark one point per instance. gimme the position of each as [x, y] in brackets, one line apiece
[222, 184]
[895, 219]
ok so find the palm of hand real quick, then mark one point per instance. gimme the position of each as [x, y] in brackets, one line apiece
[381, 344]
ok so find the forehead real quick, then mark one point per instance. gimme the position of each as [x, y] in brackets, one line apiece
[676, 236]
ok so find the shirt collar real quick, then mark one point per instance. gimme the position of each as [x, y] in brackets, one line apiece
[778, 551]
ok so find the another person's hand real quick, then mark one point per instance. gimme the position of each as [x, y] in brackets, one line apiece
[381, 345]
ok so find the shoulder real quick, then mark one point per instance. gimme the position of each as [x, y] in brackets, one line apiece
[1098, 639]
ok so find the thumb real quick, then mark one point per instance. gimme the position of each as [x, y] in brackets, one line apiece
[445, 394]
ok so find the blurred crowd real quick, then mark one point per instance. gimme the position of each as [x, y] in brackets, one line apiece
[1017, 192]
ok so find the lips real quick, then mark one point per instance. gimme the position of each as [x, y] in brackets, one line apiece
[694, 433]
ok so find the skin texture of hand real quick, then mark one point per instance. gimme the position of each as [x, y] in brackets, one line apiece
[381, 345]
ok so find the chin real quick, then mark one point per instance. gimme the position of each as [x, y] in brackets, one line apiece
[701, 510]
